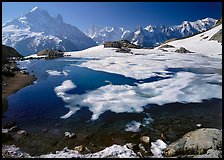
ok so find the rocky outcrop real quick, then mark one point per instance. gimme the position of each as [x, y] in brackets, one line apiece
[217, 36]
[120, 44]
[51, 53]
[196, 142]
[166, 46]
[8, 53]
[183, 50]
[123, 50]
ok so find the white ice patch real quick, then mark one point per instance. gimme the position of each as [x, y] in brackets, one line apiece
[65, 86]
[56, 73]
[183, 87]
[53, 73]
[133, 126]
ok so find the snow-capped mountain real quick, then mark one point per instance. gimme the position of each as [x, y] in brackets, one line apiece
[37, 30]
[151, 36]
[103, 34]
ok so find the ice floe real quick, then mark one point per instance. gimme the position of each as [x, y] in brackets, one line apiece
[182, 87]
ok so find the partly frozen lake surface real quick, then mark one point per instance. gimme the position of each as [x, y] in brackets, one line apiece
[117, 82]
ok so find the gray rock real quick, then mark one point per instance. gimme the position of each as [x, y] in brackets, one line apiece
[166, 46]
[211, 153]
[196, 142]
[183, 50]
[217, 36]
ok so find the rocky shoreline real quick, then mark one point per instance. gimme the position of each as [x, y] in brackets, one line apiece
[13, 79]
[201, 143]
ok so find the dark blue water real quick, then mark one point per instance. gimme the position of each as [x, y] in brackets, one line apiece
[38, 105]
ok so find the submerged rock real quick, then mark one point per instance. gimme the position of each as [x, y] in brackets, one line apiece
[196, 142]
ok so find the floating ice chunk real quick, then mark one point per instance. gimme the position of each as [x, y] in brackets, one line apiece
[53, 73]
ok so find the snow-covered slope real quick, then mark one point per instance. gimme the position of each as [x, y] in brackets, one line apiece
[150, 36]
[37, 30]
[200, 43]
[103, 34]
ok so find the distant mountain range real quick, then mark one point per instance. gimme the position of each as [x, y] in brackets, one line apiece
[37, 30]
[150, 36]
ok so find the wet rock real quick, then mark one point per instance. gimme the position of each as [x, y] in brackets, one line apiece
[196, 142]
[145, 139]
[79, 148]
[183, 50]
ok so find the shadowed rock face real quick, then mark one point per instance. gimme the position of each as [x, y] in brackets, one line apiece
[196, 142]
[217, 36]
[9, 52]
[51, 53]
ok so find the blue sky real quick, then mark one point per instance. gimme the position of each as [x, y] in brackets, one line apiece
[120, 14]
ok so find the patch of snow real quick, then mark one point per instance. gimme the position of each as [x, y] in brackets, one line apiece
[201, 46]
[53, 73]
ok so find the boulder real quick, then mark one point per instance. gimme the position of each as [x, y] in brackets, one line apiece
[183, 50]
[79, 148]
[196, 142]
[145, 139]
